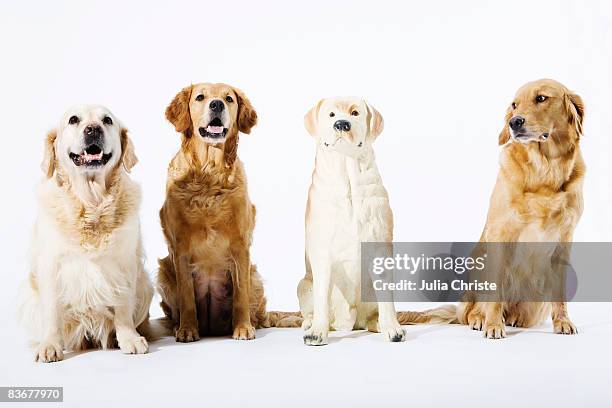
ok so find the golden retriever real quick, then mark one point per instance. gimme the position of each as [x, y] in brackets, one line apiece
[87, 284]
[207, 283]
[537, 198]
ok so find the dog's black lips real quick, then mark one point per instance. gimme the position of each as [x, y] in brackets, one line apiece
[215, 122]
[79, 159]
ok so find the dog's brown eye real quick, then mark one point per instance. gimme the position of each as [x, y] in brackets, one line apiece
[354, 113]
[332, 114]
[107, 121]
[200, 98]
[541, 98]
[229, 99]
[513, 105]
[73, 120]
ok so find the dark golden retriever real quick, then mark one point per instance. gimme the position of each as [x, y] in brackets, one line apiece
[207, 283]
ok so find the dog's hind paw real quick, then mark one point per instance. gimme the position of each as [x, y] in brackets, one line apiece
[475, 323]
[306, 323]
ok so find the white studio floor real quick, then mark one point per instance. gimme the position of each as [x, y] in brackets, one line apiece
[437, 366]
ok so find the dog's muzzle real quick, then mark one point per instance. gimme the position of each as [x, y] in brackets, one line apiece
[520, 133]
[93, 154]
[214, 129]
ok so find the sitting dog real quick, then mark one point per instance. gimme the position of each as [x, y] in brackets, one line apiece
[87, 285]
[347, 205]
[537, 198]
[207, 283]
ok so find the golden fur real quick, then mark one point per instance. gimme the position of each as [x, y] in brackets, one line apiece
[207, 283]
[537, 197]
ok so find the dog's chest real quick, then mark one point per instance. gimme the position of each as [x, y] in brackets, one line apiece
[91, 284]
[209, 202]
[210, 210]
[94, 230]
[353, 201]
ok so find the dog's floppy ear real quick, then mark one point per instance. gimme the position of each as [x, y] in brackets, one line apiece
[311, 118]
[575, 111]
[48, 163]
[247, 117]
[178, 113]
[128, 156]
[504, 135]
[375, 120]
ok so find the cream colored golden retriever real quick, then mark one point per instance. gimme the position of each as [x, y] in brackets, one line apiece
[87, 285]
[537, 199]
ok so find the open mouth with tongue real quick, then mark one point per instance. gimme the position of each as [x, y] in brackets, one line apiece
[92, 156]
[214, 130]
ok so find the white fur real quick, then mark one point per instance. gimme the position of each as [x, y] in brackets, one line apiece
[347, 205]
[77, 289]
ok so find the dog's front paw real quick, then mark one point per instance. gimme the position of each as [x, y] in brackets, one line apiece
[564, 326]
[134, 345]
[316, 336]
[244, 332]
[187, 334]
[49, 353]
[393, 334]
[494, 331]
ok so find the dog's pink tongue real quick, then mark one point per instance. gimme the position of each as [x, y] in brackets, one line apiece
[214, 129]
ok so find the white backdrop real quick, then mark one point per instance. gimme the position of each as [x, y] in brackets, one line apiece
[442, 73]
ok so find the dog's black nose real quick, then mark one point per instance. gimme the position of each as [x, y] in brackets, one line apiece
[342, 125]
[93, 134]
[217, 106]
[92, 130]
[516, 122]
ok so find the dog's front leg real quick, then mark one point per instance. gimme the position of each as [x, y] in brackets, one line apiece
[561, 321]
[243, 329]
[494, 320]
[387, 321]
[130, 342]
[317, 334]
[388, 325]
[51, 347]
[188, 323]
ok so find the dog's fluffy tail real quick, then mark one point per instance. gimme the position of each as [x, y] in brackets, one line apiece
[155, 329]
[442, 315]
[285, 319]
